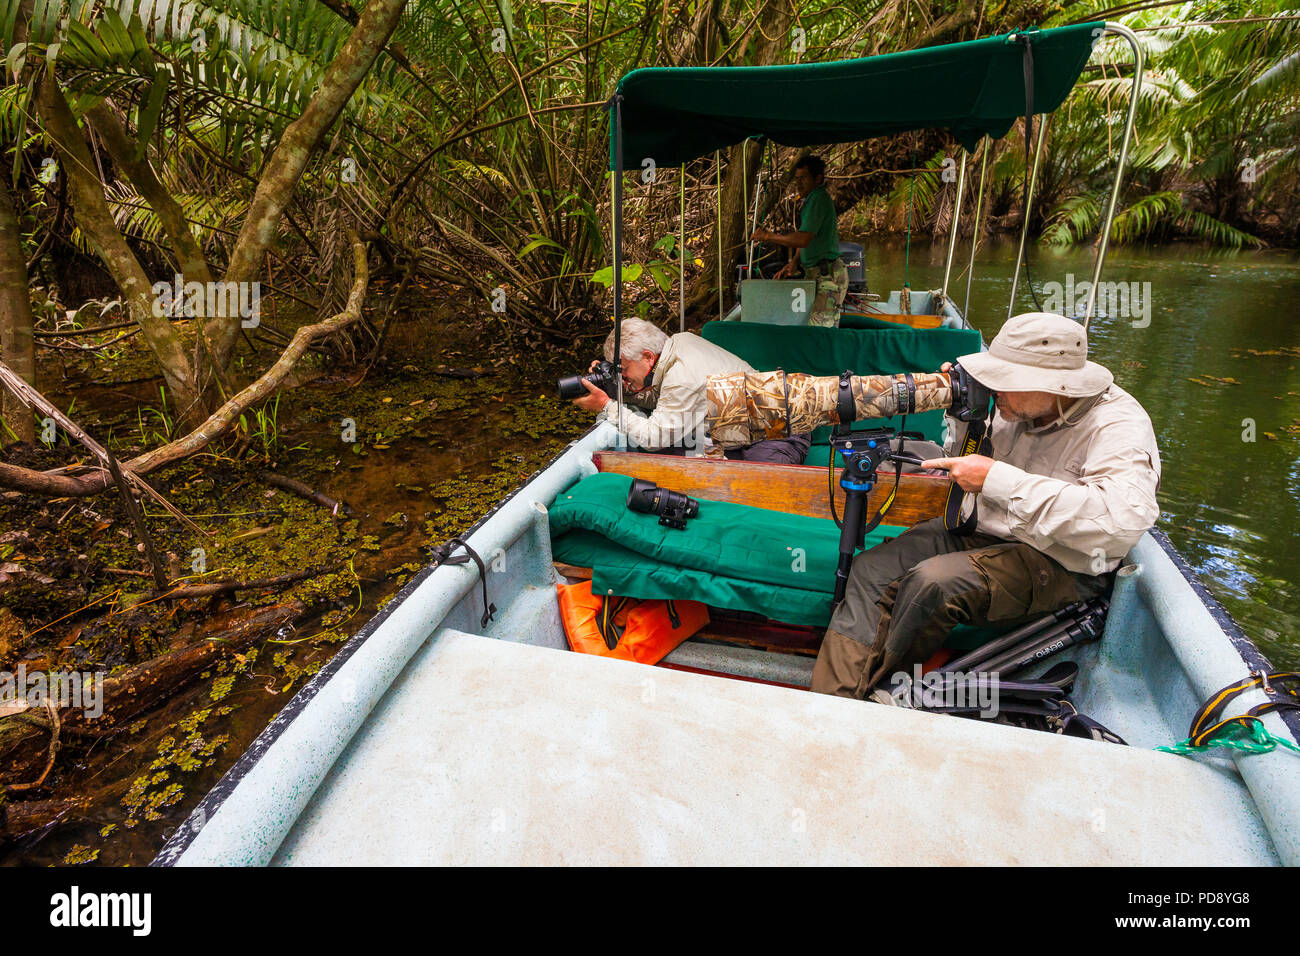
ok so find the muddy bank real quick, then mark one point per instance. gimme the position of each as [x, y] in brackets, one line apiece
[416, 448]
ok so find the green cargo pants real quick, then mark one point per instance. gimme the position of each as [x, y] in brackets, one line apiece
[832, 280]
[904, 596]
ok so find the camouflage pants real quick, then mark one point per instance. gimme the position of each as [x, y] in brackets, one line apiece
[905, 595]
[832, 283]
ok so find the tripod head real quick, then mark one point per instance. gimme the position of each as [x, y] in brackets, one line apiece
[864, 452]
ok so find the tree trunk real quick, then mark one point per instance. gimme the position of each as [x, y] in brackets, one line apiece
[285, 167]
[86, 193]
[189, 257]
[17, 349]
[54, 484]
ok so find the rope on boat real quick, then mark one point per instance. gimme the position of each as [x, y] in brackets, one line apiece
[1235, 736]
[1245, 733]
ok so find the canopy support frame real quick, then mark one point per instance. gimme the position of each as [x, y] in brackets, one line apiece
[1139, 63]
[956, 218]
[616, 118]
[1024, 226]
[975, 236]
[717, 228]
[681, 252]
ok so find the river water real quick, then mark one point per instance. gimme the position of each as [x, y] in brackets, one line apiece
[1215, 361]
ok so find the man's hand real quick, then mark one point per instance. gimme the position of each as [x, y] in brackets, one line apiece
[969, 471]
[594, 400]
[786, 270]
[761, 235]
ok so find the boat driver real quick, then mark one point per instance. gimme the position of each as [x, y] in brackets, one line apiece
[818, 242]
[664, 383]
[1068, 487]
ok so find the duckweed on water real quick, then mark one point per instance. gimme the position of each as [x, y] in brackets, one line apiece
[81, 854]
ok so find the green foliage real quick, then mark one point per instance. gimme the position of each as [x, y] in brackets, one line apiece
[1216, 147]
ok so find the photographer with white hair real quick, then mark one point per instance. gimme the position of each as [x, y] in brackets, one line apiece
[663, 380]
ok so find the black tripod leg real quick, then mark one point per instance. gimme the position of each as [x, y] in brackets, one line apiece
[850, 538]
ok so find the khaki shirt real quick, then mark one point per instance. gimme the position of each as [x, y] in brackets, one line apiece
[1083, 493]
[676, 399]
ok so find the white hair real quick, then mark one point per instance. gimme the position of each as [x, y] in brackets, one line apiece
[638, 336]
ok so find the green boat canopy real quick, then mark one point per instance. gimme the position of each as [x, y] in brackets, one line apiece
[672, 115]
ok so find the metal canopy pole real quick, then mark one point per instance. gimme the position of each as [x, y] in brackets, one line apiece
[956, 217]
[975, 237]
[617, 120]
[681, 254]
[753, 224]
[1029, 202]
[744, 191]
[1139, 58]
[717, 159]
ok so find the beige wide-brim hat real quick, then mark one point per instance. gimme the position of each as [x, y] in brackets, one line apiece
[1039, 352]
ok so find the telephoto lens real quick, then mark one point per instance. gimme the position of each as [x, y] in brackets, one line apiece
[604, 376]
[672, 507]
[748, 407]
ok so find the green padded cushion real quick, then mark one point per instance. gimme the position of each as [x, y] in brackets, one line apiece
[732, 556]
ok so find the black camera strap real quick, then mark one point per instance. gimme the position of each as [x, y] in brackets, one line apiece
[611, 631]
[976, 442]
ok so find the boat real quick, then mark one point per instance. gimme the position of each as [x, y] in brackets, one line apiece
[456, 727]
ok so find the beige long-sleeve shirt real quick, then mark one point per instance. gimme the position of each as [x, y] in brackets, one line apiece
[675, 399]
[1083, 492]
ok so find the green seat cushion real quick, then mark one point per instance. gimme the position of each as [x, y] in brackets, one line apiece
[732, 556]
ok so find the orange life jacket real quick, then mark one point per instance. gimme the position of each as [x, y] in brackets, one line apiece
[631, 630]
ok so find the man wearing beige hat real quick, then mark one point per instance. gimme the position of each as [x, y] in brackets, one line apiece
[1068, 487]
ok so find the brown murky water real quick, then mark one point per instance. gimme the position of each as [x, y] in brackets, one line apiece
[430, 453]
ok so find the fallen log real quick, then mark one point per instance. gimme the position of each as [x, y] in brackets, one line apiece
[53, 484]
[32, 819]
[25, 737]
[306, 491]
[222, 587]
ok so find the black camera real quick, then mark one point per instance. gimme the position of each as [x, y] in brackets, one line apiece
[970, 399]
[672, 507]
[604, 376]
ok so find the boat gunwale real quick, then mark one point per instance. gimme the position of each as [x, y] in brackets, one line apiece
[176, 845]
[1246, 649]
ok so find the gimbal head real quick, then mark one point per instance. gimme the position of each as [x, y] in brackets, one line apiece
[864, 452]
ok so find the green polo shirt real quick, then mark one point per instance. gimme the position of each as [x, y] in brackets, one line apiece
[819, 218]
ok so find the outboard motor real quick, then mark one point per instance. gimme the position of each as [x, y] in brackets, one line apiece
[853, 255]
